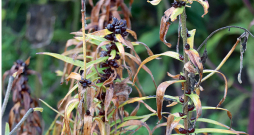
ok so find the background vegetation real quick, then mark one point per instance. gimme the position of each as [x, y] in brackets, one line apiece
[145, 22]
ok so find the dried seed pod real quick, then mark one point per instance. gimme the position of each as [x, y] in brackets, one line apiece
[187, 46]
[182, 130]
[191, 130]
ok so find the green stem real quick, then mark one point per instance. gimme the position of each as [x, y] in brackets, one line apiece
[186, 84]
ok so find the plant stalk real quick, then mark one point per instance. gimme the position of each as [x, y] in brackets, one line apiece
[83, 13]
[186, 84]
[7, 94]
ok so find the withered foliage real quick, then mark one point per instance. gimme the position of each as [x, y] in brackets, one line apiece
[22, 99]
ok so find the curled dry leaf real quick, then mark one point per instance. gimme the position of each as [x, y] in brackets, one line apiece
[195, 59]
[73, 75]
[135, 122]
[172, 104]
[101, 33]
[150, 53]
[160, 94]
[108, 98]
[205, 5]
[101, 125]
[154, 2]
[173, 76]
[226, 85]
[189, 67]
[170, 120]
[168, 53]
[196, 100]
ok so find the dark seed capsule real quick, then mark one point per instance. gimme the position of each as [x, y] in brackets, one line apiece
[110, 27]
[102, 113]
[87, 112]
[117, 57]
[188, 92]
[187, 46]
[125, 34]
[113, 46]
[181, 57]
[190, 107]
[84, 85]
[98, 81]
[181, 77]
[108, 47]
[23, 86]
[193, 118]
[109, 37]
[114, 21]
[103, 54]
[181, 99]
[103, 79]
[181, 114]
[182, 130]
[182, 3]
[118, 31]
[123, 29]
[104, 65]
[188, 35]
[115, 65]
[89, 82]
[191, 130]
[111, 62]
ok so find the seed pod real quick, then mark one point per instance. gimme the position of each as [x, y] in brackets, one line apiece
[103, 54]
[191, 130]
[117, 57]
[181, 57]
[190, 107]
[187, 46]
[181, 114]
[87, 112]
[188, 91]
[110, 27]
[181, 77]
[118, 31]
[182, 130]
[181, 99]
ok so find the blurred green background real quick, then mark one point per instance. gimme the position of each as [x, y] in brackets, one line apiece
[145, 22]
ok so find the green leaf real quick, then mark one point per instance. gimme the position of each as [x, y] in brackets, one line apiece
[7, 129]
[75, 62]
[112, 54]
[196, 100]
[40, 109]
[212, 122]
[176, 12]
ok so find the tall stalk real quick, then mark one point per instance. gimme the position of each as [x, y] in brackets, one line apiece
[186, 85]
[83, 13]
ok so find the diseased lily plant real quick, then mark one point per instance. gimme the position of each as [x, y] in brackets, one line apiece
[102, 68]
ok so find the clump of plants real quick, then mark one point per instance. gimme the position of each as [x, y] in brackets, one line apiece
[102, 73]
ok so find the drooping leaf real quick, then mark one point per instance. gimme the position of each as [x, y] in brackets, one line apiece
[205, 5]
[101, 33]
[101, 125]
[108, 98]
[75, 62]
[214, 130]
[150, 53]
[168, 53]
[135, 122]
[74, 75]
[212, 122]
[196, 100]
[172, 13]
[160, 94]
[226, 85]
[154, 2]
[132, 33]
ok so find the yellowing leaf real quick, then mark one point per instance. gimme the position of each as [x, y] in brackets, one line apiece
[154, 2]
[215, 130]
[101, 33]
[190, 40]
[169, 128]
[172, 13]
[74, 75]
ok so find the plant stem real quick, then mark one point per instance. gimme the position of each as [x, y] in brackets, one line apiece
[21, 121]
[7, 94]
[83, 12]
[186, 84]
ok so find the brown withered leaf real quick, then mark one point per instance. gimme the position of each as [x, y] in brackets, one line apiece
[71, 42]
[32, 72]
[108, 98]
[134, 112]
[27, 61]
[26, 99]
[164, 29]
[111, 78]
[132, 33]
[172, 104]
[147, 106]
[101, 125]
[91, 3]
[136, 122]
[170, 120]
[160, 94]
[96, 11]
[90, 92]
[226, 85]
[195, 59]
[73, 75]
[173, 124]
[88, 120]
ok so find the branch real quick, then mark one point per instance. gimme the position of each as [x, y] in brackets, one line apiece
[7, 94]
[83, 11]
[31, 110]
[227, 27]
